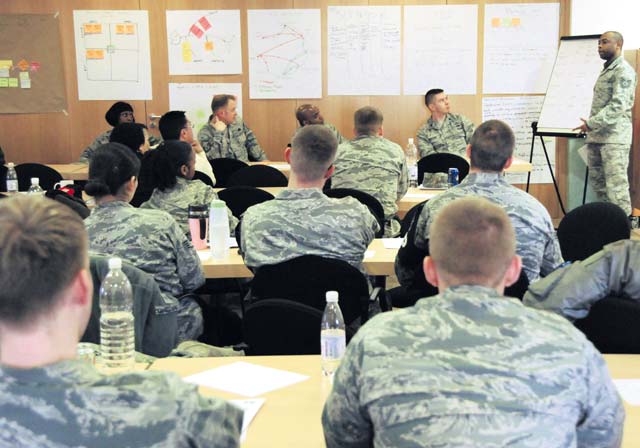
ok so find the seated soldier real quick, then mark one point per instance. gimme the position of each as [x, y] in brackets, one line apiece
[308, 114]
[301, 220]
[50, 398]
[471, 367]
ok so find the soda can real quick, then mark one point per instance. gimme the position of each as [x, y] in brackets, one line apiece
[453, 177]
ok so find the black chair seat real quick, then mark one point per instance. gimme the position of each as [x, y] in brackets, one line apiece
[223, 168]
[440, 163]
[258, 176]
[375, 207]
[414, 212]
[239, 199]
[47, 176]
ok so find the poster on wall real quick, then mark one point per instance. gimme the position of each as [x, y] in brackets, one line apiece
[31, 71]
[204, 42]
[285, 58]
[195, 99]
[440, 49]
[363, 50]
[112, 55]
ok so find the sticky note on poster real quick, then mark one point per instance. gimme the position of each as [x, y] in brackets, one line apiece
[92, 28]
[186, 52]
[4, 72]
[4, 82]
[13, 82]
[121, 28]
[129, 28]
[25, 80]
[5, 66]
[208, 46]
[95, 54]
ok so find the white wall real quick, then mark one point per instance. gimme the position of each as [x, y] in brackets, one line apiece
[597, 16]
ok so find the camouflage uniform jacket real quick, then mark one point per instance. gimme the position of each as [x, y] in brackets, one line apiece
[306, 222]
[573, 290]
[332, 128]
[469, 367]
[536, 238]
[70, 404]
[150, 240]
[103, 139]
[176, 201]
[235, 142]
[376, 166]
[613, 97]
[451, 135]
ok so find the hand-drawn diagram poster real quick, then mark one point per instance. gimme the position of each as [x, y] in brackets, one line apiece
[31, 70]
[204, 42]
[285, 59]
[112, 55]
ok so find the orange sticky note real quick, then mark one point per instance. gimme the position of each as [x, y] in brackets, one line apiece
[515, 21]
[495, 22]
[120, 28]
[130, 28]
[208, 45]
[23, 65]
[95, 54]
[92, 28]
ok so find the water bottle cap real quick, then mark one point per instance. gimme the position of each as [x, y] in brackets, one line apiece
[115, 263]
[217, 203]
[35, 180]
[332, 296]
[10, 165]
[411, 141]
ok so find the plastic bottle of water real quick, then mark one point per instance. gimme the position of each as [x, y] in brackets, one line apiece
[332, 335]
[411, 153]
[116, 320]
[35, 187]
[218, 230]
[12, 179]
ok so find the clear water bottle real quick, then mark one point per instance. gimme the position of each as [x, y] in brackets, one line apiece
[332, 335]
[411, 153]
[35, 187]
[12, 179]
[116, 320]
[218, 230]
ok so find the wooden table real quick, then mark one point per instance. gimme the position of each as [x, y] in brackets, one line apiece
[378, 261]
[291, 416]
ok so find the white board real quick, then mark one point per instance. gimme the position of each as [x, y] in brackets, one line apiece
[112, 55]
[363, 54]
[285, 56]
[201, 42]
[440, 49]
[570, 89]
[520, 43]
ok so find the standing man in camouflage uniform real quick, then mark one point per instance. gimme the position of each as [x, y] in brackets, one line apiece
[308, 114]
[52, 399]
[470, 367]
[301, 220]
[226, 135]
[373, 164]
[609, 130]
[443, 131]
[490, 152]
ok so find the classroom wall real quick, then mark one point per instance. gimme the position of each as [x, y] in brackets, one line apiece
[59, 138]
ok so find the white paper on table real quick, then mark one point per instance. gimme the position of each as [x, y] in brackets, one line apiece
[246, 379]
[425, 195]
[249, 408]
[392, 243]
[629, 390]
[280, 166]
[369, 254]
[204, 254]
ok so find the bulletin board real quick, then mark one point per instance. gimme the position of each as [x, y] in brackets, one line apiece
[31, 67]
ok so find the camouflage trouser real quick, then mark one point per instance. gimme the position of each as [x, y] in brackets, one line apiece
[608, 165]
[190, 320]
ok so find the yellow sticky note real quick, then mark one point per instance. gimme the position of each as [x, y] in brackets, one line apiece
[13, 82]
[515, 21]
[495, 22]
[4, 82]
[23, 75]
[92, 28]
[6, 63]
[120, 28]
[208, 46]
[130, 28]
[95, 54]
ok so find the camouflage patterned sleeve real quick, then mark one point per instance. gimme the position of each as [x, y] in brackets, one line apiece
[403, 180]
[344, 419]
[424, 146]
[408, 262]
[552, 256]
[254, 150]
[468, 127]
[603, 419]
[100, 140]
[189, 266]
[621, 100]
[211, 141]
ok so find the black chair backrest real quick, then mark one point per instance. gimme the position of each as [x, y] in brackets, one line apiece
[414, 212]
[585, 230]
[612, 325]
[282, 327]
[258, 176]
[375, 207]
[239, 199]
[3, 178]
[440, 163]
[518, 289]
[306, 280]
[48, 176]
[199, 175]
[223, 168]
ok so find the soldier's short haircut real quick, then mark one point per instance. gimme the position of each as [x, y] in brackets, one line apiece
[301, 111]
[430, 96]
[171, 124]
[492, 144]
[367, 120]
[472, 240]
[112, 165]
[617, 36]
[220, 101]
[313, 150]
[43, 247]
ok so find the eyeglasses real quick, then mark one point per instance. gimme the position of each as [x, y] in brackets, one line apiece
[189, 125]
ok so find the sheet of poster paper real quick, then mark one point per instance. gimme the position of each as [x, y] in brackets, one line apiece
[520, 44]
[440, 48]
[518, 112]
[285, 57]
[195, 99]
[204, 42]
[363, 50]
[112, 55]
